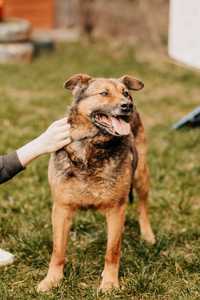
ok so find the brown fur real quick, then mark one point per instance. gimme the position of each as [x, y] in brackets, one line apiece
[96, 171]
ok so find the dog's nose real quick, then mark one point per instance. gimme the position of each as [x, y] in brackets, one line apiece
[126, 107]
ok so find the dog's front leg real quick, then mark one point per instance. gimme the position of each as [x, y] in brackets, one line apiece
[115, 224]
[61, 220]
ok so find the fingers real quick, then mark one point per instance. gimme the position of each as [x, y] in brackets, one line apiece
[65, 127]
[61, 122]
[62, 132]
[56, 136]
[63, 135]
[64, 142]
[59, 126]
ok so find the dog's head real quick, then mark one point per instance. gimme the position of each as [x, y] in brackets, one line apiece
[106, 103]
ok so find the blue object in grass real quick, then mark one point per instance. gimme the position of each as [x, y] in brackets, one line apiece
[192, 120]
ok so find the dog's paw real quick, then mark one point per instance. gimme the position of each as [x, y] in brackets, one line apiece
[106, 286]
[149, 237]
[47, 284]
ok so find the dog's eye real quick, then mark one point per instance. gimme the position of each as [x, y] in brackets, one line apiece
[125, 94]
[104, 93]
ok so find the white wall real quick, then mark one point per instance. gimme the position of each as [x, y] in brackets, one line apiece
[184, 31]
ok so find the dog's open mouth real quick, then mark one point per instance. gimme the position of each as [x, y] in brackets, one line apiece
[115, 125]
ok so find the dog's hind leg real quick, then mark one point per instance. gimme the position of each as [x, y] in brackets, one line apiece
[61, 220]
[142, 188]
[141, 184]
[115, 224]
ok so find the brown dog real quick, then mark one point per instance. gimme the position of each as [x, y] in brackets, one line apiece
[107, 157]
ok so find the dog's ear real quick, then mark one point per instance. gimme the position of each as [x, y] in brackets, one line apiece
[77, 80]
[132, 83]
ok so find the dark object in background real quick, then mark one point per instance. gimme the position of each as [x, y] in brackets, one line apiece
[190, 120]
[43, 44]
[87, 17]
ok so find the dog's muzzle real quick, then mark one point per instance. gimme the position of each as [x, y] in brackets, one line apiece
[126, 107]
[115, 124]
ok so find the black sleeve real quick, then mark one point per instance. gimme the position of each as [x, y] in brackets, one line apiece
[9, 166]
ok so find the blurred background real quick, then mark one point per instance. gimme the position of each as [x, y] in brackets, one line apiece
[128, 20]
[43, 42]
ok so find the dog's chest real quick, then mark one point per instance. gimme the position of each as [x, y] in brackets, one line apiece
[100, 184]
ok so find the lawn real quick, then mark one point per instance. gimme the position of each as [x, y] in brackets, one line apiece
[31, 97]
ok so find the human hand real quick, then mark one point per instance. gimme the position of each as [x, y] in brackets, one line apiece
[55, 137]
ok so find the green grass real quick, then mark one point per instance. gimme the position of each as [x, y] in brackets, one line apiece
[31, 97]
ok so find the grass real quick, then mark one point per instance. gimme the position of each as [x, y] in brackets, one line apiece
[31, 97]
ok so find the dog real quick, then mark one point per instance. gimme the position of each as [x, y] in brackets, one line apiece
[99, 168]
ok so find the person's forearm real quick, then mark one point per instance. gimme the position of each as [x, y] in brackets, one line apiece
[29, 152]
[54, 138]
[10, 165]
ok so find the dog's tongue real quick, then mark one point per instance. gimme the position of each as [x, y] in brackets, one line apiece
[120, 126]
